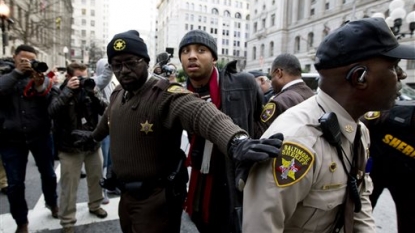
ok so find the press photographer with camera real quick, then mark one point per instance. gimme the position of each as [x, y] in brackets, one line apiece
[76, 106]
[165, 69]
[25, 126]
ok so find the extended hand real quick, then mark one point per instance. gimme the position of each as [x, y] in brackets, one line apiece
[250, 151]
[82, 138]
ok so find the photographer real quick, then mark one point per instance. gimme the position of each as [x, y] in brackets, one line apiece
[25, 126]
[76, 106]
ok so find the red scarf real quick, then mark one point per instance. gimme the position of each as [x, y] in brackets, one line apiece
[195, 175]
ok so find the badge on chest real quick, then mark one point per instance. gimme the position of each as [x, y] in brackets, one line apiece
[146, 127]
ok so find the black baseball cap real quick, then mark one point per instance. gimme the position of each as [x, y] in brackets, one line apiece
[359, 40]
[256, 73]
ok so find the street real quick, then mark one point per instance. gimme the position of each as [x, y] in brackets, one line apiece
[41, 221]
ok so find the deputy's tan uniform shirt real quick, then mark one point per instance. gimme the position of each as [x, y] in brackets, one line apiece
[302, 189]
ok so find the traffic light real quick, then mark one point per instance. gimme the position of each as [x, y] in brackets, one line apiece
[58, 22]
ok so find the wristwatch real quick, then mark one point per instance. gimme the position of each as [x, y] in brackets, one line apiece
[236, 139]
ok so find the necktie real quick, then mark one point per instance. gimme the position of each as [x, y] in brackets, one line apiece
[352, 194]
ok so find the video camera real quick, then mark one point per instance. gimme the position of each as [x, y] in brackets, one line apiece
[162, 60]
[87, 83]
[39, 66]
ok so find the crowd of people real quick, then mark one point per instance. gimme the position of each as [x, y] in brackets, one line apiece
[266, 154]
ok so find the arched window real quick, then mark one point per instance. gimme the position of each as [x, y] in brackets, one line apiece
[271, 48]
[215, 11]
[261, 54]
[310, 40]
[297, 44]
[254, 53]
[226, 13]
[238, 15]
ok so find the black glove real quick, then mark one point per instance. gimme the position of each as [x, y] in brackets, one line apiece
[249, 151]
[83, 138]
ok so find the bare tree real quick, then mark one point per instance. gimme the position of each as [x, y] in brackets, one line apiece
[95, 53]
[36, 21]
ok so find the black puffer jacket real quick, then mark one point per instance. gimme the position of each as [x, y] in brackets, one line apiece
[22, 119]
[74, 109]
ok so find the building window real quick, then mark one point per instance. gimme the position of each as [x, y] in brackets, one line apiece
[238, 15]
[83, 33]
[327, 5]
[83, 22]
[215, 11]
[92, 12]
[312, 11]
[255, 27]
[83, 11]
[227, 14]
[254, 53]
[310, 40]
[264, 23]
[271, 49]
[273, 20]
[261, 54]
[93, 23]
[297, 44]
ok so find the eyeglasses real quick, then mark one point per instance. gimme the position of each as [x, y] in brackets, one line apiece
[130, 64]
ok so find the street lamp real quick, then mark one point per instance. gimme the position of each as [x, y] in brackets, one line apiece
[396, 15]
[65, 52]
[4, 15]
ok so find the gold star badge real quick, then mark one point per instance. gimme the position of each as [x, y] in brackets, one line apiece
[146, 127]
[119, 44]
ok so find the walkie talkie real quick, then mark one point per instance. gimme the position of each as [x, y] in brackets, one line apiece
[331, 129]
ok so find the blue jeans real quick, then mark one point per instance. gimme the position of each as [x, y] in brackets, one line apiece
[14, 157]
[105, 147]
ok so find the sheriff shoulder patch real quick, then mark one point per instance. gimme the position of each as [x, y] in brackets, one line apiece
[177, 89]
[372, 115]
[268, 111]
[293, 164]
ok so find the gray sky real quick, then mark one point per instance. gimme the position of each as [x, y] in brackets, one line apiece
[129, 14]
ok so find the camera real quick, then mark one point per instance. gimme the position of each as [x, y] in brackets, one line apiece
[39, 66]
[87, 83]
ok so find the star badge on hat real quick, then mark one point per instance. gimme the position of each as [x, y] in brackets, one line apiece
[119, 45]
[146, 127]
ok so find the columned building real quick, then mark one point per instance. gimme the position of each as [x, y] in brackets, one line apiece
[298, 27]
[226, 20]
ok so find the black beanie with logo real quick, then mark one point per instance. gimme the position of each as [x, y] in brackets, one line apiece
[128, 42]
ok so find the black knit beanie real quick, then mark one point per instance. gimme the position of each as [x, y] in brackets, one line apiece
[127, 42]
[199, 37]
